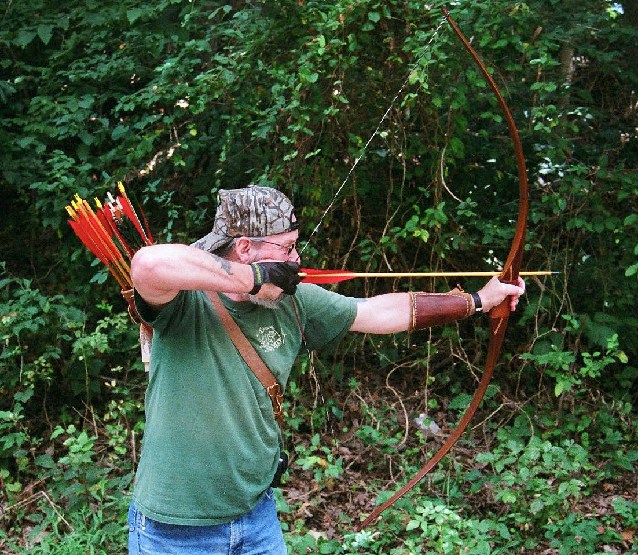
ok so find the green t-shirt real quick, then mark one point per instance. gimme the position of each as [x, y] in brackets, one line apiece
[211, 442]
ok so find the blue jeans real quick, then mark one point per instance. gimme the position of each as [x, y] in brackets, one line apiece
[258, 532]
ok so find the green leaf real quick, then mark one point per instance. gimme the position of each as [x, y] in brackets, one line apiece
[25, 38]
[45, 32]
[307, 76]
[134, 14]
[45, 461]
[6, 415]
[119, 132]
[632, 270]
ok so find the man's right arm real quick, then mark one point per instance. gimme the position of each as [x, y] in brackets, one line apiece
[160, 272]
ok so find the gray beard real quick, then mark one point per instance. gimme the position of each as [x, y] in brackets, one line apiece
[266, 303]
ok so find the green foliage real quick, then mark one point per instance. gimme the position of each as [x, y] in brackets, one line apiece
[181, 98]
[320, 460]
[563, 368]
[95, 531]
[546, 475]
[49, 361]
[534, 487]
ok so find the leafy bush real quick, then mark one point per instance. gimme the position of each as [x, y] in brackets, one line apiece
[180, 98]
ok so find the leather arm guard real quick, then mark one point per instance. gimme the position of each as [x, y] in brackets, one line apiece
[435, 309]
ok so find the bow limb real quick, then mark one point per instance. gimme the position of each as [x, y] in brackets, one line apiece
[513, 263]
[499, 315]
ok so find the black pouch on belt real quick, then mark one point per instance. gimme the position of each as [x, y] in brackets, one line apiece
[281, 469]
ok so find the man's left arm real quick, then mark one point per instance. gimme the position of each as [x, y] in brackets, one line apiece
[397, 312]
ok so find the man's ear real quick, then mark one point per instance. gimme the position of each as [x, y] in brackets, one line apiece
[244, 250]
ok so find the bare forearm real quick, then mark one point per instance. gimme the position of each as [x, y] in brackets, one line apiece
[383, 314]
[159, 272]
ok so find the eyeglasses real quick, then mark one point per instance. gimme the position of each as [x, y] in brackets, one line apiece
[286, 248]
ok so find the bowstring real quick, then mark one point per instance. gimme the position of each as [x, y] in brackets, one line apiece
[413, 68]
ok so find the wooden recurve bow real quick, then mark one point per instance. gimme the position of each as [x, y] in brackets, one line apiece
[499, 315]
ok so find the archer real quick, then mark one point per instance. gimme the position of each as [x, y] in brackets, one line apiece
[212, 448]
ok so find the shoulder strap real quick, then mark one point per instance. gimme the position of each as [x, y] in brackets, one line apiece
[251, 357]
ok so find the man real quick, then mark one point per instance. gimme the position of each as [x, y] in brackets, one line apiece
[212, 444]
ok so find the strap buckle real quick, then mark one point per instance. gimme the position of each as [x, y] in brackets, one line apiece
[277, 398]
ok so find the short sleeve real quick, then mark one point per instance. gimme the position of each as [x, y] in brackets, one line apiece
[327, 316]
[158, 319]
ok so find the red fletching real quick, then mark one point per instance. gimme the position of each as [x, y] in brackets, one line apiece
[102, 238]
[90, 230]
[322, 277]
[147, 228]
[100, 231]
[78, 228]
[103, 220]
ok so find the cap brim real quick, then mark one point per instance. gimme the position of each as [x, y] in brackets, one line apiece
[212, 242]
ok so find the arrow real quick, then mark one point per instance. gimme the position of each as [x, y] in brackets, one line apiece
[311, 275]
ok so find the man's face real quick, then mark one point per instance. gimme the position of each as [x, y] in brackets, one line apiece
[277, 248]
[273, 248]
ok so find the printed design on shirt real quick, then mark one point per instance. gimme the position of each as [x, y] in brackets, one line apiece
[269, 338]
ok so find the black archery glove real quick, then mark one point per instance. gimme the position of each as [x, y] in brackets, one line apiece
[284, 275]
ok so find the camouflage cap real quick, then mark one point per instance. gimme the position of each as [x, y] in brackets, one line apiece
[251, 212]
